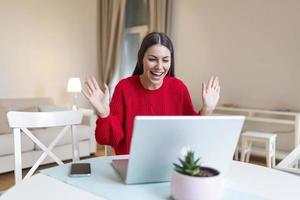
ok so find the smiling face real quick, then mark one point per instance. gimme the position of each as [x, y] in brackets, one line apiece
[156, 64]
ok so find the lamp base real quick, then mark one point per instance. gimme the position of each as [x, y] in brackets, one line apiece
[74, 107]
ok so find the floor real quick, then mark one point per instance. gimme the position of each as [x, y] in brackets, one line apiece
[7, 179]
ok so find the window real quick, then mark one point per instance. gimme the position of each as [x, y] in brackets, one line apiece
[136, 27]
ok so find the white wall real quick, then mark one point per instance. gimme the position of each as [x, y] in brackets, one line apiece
[252, 45]
[43, 43]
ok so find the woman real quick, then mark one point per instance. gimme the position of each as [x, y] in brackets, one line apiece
[151, 90]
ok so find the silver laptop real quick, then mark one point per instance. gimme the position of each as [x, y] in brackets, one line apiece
[157, 142]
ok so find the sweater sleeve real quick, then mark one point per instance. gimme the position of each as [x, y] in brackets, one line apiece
[188, 108]
[109, 130]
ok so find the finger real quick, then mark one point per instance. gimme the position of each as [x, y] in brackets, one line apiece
[95, 83]
[215, 82]
[87, 86]
[86, 94]
[217, 86]
[218, 90]
[203, 88]
[91, 85]
[106, 90]
[93, 88]
[210, 82]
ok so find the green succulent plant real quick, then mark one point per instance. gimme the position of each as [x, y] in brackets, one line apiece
[189, 165]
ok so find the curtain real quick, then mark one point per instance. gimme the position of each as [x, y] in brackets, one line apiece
[160, 15]
[111, 27]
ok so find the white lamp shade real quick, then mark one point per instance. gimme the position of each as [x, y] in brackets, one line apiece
[74, 85]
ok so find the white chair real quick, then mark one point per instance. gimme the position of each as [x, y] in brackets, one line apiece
[22, 122]
[269, 139]
[291, 162]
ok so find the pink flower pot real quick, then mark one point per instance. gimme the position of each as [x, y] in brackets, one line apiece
[184, 187]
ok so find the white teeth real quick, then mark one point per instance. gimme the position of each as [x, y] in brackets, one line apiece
[157, 73]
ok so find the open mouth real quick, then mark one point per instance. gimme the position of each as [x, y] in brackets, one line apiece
[156, 74]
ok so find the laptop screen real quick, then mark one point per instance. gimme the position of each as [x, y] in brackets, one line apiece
[157, 142]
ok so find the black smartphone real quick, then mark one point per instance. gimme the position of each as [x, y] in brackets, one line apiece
[80, 169]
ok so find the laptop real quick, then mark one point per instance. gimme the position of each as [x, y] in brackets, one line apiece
[157, 142]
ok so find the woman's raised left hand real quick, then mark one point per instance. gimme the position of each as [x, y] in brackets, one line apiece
[210, 94]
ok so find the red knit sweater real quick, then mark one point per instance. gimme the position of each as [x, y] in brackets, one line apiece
[130, 99]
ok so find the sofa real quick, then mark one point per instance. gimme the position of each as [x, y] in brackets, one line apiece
[30, 151]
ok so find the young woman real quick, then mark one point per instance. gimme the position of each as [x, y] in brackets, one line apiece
[151, 90]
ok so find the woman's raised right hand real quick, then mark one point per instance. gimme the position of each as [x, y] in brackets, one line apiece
[98, 99]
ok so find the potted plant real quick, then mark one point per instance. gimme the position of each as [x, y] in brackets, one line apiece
[190, 181]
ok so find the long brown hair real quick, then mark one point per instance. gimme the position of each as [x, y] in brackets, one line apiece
[150, 40]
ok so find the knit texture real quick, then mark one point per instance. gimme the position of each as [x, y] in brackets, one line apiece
[131, 99]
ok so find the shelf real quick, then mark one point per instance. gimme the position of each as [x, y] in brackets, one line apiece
[270, 120]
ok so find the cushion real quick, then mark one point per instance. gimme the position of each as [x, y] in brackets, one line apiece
[47, 135]
[7, 144]
[4, 127]
[51, 108]
[30, 109]
[21, 103]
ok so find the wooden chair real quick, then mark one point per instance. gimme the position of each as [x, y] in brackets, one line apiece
[23, 122]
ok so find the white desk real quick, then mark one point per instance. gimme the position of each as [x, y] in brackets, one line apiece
[44, 187]
[259, 182]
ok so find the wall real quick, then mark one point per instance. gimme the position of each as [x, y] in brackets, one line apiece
[43, 43]
[252, 45]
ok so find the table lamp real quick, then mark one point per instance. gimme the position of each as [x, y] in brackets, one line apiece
[74, 86]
